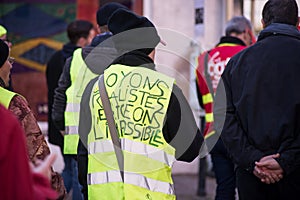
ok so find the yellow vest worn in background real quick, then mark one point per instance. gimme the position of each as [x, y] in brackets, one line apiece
[6, 97]
[139, 98]
[80, 76]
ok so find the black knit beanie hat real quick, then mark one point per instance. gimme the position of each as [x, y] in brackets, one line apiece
[137, 32]
[4, 52]
[106, 11]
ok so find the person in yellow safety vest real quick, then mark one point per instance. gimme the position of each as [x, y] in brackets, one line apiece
[17, 104]
[3, 36]
[75, 76]
[80, 34]
[66, 84]
[154, 121]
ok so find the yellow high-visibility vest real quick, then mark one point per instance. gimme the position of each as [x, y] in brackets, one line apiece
[139, 99]
[80, 76]
[6, 97]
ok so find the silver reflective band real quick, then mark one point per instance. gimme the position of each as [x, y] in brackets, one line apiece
[148, 183]
[73, 107]
[101, 146]
[131, 178]
[140, 148]
[104, 177]
[71, 130]
[148, 151]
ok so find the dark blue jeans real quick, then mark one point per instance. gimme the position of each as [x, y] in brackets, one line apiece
[224, 172]
[70, 176]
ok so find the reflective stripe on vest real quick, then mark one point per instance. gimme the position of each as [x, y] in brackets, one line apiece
[132, 146]
[80, 75]
[72, 130]
[72, 107]
[131, 178]
[209, 117]
[6, 97]
[207, 98]
[139, 99]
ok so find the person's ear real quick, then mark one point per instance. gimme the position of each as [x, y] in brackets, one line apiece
[263, 23]
[98, 29]
[152, 54]
[82, 42]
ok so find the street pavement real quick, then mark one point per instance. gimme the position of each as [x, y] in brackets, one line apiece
[186, 187]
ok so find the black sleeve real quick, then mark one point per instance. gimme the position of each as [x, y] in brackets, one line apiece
[53, 72]
[82, 160]
[180, 129]
[226, 122]
[60, 98]
[85, 123]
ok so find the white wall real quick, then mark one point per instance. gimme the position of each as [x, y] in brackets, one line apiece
[214, 22]
[175, 22]
[259, 4]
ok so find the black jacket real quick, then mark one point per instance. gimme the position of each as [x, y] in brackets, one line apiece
[262, 87]
[180, 121]
[54, 69]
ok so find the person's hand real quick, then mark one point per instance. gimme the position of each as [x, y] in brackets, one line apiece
[268, 170]
[43, 167]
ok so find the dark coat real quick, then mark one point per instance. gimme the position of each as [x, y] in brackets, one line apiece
[54, 69]
[262, 85]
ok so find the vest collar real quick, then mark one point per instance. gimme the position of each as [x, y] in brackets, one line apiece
[232, 40]
[135, 58]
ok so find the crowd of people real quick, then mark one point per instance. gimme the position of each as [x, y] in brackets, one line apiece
[121, 125]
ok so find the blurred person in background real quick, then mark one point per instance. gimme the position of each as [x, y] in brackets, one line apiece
[238, 35]
[20, 180]
[80, 34]
[76, 74]
[3, 36]
[17, 104]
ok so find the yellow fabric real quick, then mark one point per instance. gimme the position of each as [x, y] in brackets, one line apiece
[71, 139]
[71, 118]
[101, 191]
[102, 162]
[139, 99]
[142, 193]
[117, 192]
[6, 97]
[3, 31]
[75, 74]
[209, 117]
[228, 44]
[209, 134]
[80, 76]
[207, 98]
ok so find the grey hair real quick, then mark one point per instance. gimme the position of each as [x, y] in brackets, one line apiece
[237, 25]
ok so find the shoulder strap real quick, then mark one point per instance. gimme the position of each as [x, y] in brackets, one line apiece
[207, 76]
[112, 125]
